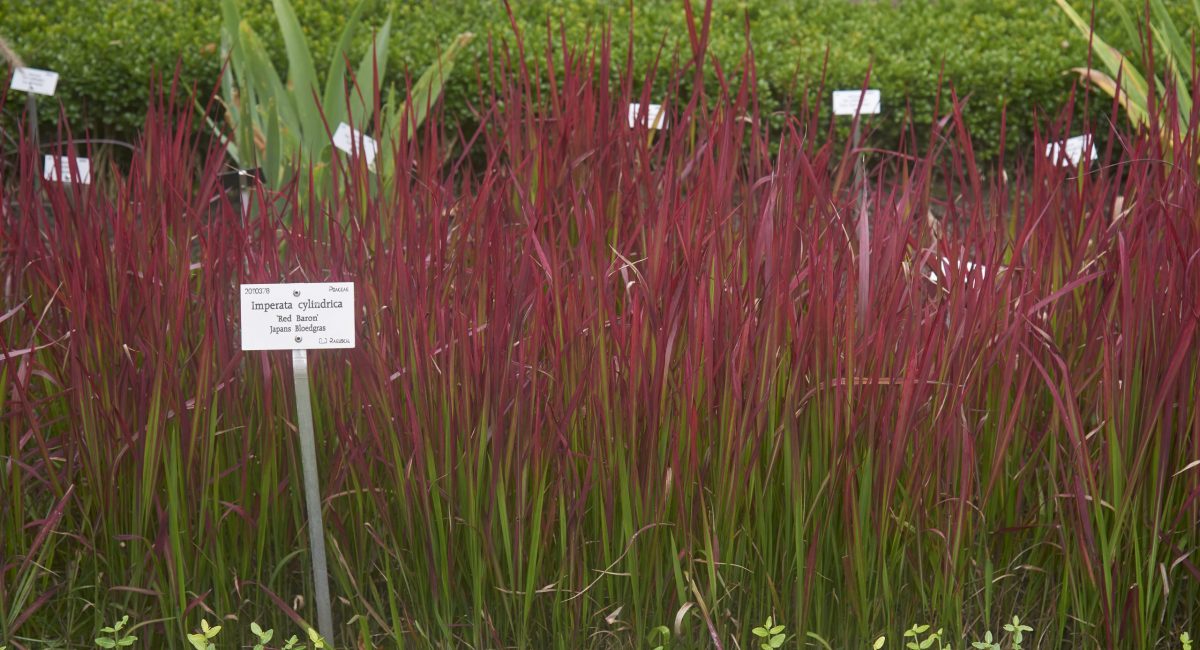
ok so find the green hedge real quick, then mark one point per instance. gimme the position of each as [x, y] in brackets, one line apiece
[999, 52]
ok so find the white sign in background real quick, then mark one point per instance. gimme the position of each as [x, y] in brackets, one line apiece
[1073, 148]
[32, 80]
[846, 102]
[352, 140]
[57, 169]
[655, 116]
[298, 316]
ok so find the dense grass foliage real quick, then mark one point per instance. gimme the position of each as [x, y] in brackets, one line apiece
[614, 379]
[1003, 53]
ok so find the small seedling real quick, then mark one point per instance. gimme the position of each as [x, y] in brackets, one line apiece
[113, 637]
[294, 643]
[915, 633]
[264, 637]
[660, 637]
[988, 643]
[318, 643]
[1185, 640]
[1015, 631]
[772, 635]
[203, 639]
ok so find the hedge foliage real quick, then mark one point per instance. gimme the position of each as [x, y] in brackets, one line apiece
[997, 52]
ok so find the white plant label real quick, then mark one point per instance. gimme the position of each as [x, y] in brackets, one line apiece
[32, 80]
[655, 116]
[57, 169]
[969, 267]
[298, 316]
[351, 140]
[1073, 148]
[846, 102]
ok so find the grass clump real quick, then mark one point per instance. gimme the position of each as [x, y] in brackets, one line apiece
[614, 379]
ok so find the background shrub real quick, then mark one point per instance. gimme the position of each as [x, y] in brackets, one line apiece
[997, 52]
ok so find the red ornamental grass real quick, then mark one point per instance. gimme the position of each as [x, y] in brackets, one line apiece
[609, 379]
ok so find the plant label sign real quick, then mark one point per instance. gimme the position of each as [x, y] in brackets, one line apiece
[32, 80]
[655, 116]
[1072, 149]
[352, 140]
[58, 169]
[846, 102]
[298, 316]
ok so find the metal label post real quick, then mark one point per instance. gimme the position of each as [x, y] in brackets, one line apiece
[864, 227]
[312, 493]
[300, 317]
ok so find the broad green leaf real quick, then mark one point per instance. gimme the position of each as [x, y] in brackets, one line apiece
[362, 94]
[427, 89]
[1118, 66]
[302, 76]
[333, 101]
[231, 48]
[1179, 62]
[105, 642]
[272, 159]
[269, 88]
[1178, 51]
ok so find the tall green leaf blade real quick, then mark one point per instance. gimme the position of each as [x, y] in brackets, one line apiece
[1132, 82]
[335, 79]
[273, 172]
[302, 75]
[1179, 56]
[362, 95]
[1177, 50]
[231, 51]
[1180, 82]
[426, 90]
[267, 84]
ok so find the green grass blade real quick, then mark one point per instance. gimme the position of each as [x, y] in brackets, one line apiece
[362, 97]
[1132, 81]
[302, 76]
[335, 79]
[428, 88]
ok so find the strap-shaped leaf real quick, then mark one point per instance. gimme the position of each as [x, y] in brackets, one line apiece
[274, 148]
[231, 48]
[269, 87]
[425, 92]
[1132, 82]
[362, 95]
[302, 75]
[333, 101]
